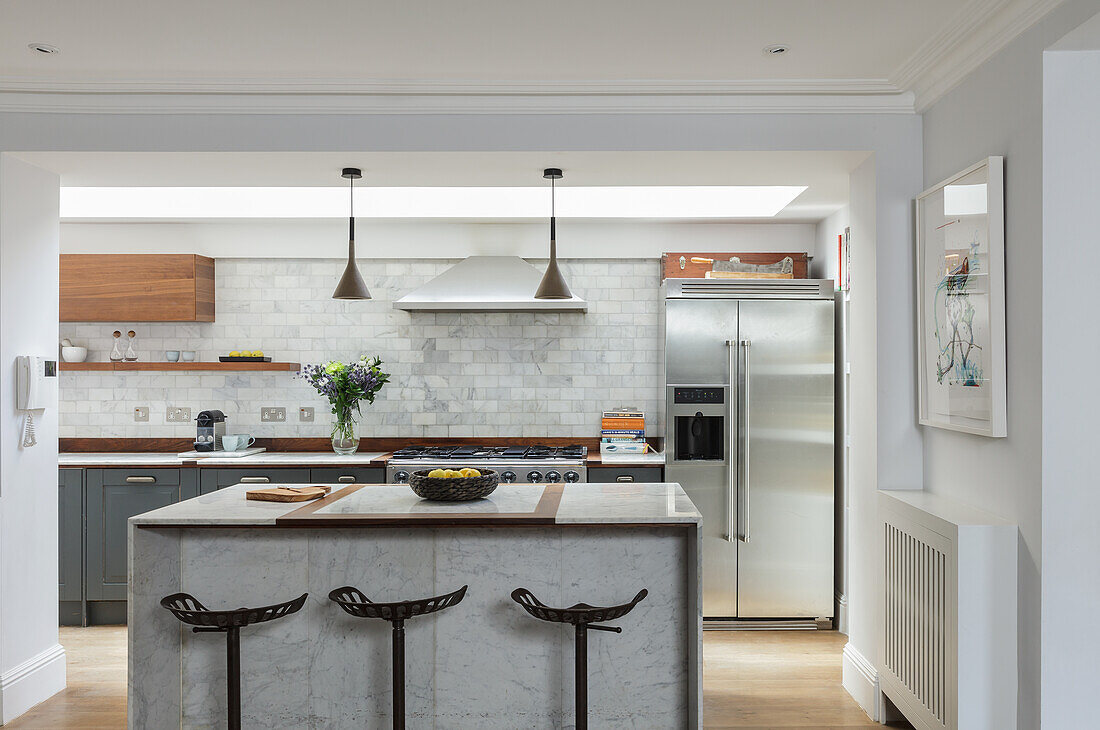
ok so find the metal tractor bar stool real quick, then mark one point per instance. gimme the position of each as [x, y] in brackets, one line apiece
[187, 609]
[353, 601]
[583, 617]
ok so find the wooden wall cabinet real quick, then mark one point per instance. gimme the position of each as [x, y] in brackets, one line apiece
[137, 288]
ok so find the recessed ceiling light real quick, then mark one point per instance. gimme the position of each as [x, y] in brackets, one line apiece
[775, 50]
[43, 48]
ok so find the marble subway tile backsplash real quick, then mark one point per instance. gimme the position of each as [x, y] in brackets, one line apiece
[452, 374]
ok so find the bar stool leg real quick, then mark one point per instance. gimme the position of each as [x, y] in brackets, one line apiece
[233, 676]
[580, 677]
[398, 675]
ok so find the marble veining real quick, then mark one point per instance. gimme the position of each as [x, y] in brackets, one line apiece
[635, 503]
[590, 503]
[483, 374]
[227, 506]
[400, 499]
[483, 663]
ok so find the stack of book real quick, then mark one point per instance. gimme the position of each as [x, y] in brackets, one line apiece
[623, 432]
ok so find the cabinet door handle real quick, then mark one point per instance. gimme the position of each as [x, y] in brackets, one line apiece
[624, 478]
[141, 480]
[346, 479]
[255, 480]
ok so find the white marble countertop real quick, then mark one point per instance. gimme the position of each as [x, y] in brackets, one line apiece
[653, 458]
[589, 504]
[109, 459]
[266, 458]
[639, 504]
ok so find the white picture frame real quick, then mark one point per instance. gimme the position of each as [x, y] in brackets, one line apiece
[960, 280]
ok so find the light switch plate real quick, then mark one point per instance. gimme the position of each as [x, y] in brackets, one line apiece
[271, 414]
[141, 414]
[305, 414]
[178, 415]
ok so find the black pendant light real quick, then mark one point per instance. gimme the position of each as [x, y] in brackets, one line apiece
[553, 284]
[351, 284]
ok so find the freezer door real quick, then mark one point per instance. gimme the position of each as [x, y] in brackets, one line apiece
[696, 331]
[785, 524]
[696, 354]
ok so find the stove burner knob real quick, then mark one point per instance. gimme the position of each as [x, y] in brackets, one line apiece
[572, 477]
[508, 476]
[534, 476]
[553, 476]
[401, 477]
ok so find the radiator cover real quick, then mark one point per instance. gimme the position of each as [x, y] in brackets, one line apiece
[947, 653]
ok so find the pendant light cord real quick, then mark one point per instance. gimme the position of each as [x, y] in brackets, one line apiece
[351, 211]
[553, 215]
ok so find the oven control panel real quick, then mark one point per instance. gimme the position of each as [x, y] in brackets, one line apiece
[698, 395]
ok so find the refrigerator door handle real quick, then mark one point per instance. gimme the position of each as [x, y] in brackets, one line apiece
[746, 444]
[731, 492]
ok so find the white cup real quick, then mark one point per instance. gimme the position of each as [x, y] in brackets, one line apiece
[237, 441]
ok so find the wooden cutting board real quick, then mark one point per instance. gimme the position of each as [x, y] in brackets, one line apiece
[288, 494]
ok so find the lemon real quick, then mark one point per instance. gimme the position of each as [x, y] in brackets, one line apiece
[452, 474]
[257, 353]
[235, 353]
[437, 473]
[470, 472]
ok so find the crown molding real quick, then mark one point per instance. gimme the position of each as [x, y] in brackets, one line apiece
[977, 31]
[305, 96]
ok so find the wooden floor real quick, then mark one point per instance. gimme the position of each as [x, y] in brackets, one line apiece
[752, 679]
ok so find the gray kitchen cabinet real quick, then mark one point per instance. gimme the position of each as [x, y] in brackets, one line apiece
[348, 475]
[212, 479]
[113, 496]
[604, 474]
[70, 546]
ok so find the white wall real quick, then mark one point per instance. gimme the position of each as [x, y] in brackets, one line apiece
[862, 523]
[891, 458]
[32, 664]
[826, 264]
[577, 239]
[1070, 500]
[997, 110]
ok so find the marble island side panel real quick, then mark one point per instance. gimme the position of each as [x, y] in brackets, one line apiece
[483, 663]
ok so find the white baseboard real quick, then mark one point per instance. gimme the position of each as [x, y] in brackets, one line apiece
[860, 680]
[33, 681]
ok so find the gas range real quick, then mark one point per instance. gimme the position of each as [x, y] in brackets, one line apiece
[533, 463]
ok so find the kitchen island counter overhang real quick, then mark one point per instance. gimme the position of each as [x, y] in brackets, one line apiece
[483, 662]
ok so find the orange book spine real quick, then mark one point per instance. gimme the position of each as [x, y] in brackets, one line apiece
[623, 424]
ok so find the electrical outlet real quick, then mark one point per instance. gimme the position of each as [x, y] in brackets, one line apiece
[305, 414]
[141, 414]
[271, 414]
[178, 415]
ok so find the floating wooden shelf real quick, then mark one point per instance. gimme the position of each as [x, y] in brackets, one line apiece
[188, 366]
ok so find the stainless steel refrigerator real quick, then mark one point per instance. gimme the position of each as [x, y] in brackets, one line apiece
[749, 368]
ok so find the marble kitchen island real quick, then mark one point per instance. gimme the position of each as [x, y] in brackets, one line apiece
[484, 663]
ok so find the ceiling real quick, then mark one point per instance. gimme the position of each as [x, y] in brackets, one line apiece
[825, 173]
[492, 46]
[513, 40]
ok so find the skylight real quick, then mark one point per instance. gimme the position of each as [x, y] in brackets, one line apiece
[742, 201]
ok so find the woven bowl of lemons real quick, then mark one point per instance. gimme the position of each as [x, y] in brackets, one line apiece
[454, 485]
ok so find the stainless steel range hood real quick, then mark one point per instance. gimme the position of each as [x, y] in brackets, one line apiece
[487, 284]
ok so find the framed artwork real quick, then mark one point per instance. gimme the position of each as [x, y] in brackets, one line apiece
[961, 302]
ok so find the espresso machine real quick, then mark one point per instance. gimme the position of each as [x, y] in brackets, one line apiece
[210, 427]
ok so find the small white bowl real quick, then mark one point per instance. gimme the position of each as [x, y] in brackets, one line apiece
[74, 354]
